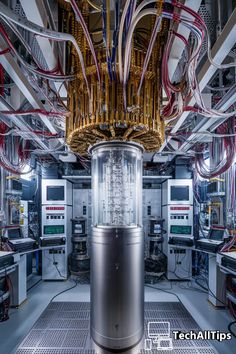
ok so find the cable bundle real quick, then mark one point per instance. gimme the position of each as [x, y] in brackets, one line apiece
[118, 81]
[227, 146]
[19, 146]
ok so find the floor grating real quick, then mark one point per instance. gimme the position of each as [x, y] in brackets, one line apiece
[63, 328]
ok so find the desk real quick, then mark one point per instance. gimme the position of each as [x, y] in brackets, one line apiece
[8, 262]
[216, 280]
[227, 262]
[18, 274]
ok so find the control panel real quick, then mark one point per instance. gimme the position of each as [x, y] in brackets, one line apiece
[54, 220]
[179, 220]
[177, 211]
[55, 240]
[179, 217]
[55, 216]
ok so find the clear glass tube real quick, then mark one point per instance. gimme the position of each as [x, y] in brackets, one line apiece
[117, 184]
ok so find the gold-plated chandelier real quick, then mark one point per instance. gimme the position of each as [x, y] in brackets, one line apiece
[102, 107]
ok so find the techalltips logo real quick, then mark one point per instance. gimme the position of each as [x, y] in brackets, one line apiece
[160, 336]
[206, 335]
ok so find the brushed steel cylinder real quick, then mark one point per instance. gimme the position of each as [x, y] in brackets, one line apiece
[117, 287]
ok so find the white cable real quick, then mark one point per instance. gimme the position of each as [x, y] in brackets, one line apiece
[44, 32]
[133, 24]
[122, 22]
[94, 6]
[211, 113]
[156, 29]
[142, 5]
[226, 88]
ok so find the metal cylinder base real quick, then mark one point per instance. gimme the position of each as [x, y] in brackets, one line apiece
[117, 287]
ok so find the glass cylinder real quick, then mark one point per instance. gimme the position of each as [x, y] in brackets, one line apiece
[117, 184]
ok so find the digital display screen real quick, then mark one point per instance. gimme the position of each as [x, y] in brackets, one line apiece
[180, 229]
[55, 193]
[179, 193]
[78, 229]
[53, 229]
[14, 233]
[157, 229]
[216, 234]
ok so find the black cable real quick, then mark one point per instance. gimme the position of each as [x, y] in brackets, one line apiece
[184, 288]
[169, 282]
[209, 290]
[201, 286]
[152, 276]
[62, 292]
[212, 294]
[177, 265]
[230, 330]
[180, 278]
[55, 264]
[32, 286]
[191, 287]
[165, 291]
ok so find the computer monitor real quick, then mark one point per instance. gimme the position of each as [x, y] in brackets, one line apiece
[55, 193]
[216, 234]
[158, 330]
[13, 233]
[179, 193]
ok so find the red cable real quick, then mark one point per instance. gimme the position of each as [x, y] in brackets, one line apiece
[4, 51]
[1, 80]
[34, 111]
[11, 47]
[39, 132]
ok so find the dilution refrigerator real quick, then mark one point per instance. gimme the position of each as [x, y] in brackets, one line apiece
[117, 247]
